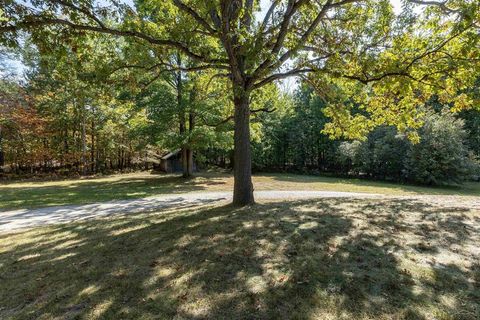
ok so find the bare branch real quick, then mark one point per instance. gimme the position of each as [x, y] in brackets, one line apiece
[305, 35]
[289, 12]
[279, 76]
[218, 124]
[135, 66]
[263, 110]
[268, 15]
[291, 9]
[248, 14]
[269, 64]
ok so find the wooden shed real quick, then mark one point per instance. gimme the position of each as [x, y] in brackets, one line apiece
[172, 162]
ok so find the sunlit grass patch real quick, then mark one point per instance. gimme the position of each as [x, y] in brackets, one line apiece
[309, 259]
[143, 184]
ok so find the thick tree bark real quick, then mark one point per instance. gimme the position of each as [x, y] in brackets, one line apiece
[243, 187]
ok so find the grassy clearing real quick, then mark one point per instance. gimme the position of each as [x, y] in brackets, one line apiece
[143, 184]
[327, 259]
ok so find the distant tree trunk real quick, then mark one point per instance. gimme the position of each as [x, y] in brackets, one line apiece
[73, 163]
[184, 149]
[285, 147]
[45, 159]
[181, 116]
[65, 149]
[145, 160]
[243, 187]
[191, 127]
[2, 153]
[319, 157]
[120, 160]
[84, 144]
[222, 162]
[130, 154]
[97, 154]
[231, 159]
[122, 157]
[184, 153]
[92, 150]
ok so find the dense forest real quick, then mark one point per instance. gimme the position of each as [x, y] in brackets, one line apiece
[447, 151]
[114, 86]
[60, 121]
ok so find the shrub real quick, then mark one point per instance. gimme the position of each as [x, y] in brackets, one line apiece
[347, 156]
[441, 156]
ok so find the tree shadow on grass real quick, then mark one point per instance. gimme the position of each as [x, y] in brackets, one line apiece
[299, 259]
[23, 218]
[91, 191]
[466, 189]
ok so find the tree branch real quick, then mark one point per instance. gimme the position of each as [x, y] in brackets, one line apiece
[215, 125]
[269, 64]
[248, 14]
[442, 5]
[279, 76]
[305, 35]
[284, 26]
[32, 23]
[179, 4]
[85, 11]
[263, 110]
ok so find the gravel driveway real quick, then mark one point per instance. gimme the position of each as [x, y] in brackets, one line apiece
[27, 218]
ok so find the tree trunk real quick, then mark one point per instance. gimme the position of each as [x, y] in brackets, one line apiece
[2, 155]
[97, 154]
[129, 156]
[92, 150]
[243, 187]
[191, 126]
[185, 162]
[65, 158]
[84, 146]
[184, 150]
[181, 116]
[190, 162]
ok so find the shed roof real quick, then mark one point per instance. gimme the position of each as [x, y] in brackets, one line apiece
[170, 154]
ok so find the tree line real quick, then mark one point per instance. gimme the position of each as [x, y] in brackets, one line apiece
[447, 153]
[49, 133]
[375, 66]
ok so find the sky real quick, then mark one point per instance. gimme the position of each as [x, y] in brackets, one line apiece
[397, 4]
[15, 66]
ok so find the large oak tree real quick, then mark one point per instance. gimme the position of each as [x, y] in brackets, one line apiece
[399, 60]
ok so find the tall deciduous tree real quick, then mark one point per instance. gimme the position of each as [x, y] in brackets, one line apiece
[336, 40]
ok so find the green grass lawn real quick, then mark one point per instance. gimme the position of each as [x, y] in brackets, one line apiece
[322, 259]
[136, 185]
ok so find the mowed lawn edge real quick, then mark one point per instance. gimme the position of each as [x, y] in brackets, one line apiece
[34, 194]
